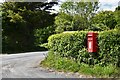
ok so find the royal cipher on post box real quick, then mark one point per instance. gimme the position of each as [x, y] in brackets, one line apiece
[92, 44]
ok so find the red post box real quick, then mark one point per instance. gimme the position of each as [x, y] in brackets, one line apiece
[92, 45]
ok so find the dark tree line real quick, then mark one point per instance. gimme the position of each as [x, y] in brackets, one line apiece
[20, 20]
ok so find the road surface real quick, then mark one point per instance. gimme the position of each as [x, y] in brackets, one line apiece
[27, 65]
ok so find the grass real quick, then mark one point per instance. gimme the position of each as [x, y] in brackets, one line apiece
[67, 65]
[99, 71]
[59, 63]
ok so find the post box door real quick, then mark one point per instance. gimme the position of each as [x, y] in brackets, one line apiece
[92, 42]
[90, 47]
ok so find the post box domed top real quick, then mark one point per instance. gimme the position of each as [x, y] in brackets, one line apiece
[92, 34]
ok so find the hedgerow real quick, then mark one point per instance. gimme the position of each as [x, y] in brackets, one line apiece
[73, 46]
[109, 47]
[67, 44]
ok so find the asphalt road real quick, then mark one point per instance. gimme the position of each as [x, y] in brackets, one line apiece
[27, 65]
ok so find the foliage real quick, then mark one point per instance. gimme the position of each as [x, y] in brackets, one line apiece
[67, 44]
[109, 52]
[83, 8]
[69, 48]
[65, 22]
[117, 15]
[41, 35]
[117, 8]
[56, 62]
[59, 63]
[98, 27]
[19, 22]
[99, 71]
[72, 45]
[75, 16]
[106, 18]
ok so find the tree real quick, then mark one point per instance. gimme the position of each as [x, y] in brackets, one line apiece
[117, 8]
[106, 18]
[75, 15]
[117, 17]
[20, 19]
[67, 22]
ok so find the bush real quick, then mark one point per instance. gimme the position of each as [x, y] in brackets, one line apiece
[41, 36]
[109, 45]
[67, 44]
[73, 46]
[71, 49]
[98, 27]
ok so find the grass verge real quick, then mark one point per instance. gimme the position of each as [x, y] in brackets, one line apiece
[68, 65]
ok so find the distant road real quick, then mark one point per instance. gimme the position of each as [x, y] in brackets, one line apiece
[26, 65]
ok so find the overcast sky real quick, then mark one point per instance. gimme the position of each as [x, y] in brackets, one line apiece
[104, 4]
[109, 4]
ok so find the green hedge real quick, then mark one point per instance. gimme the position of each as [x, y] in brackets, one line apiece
[109, 45]
[67, 44]
[73, 46]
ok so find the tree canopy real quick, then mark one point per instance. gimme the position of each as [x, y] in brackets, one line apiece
[20, 19]
[75, 15]
[26, 25]
[106, 18]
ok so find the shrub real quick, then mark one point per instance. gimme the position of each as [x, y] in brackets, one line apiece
[98, 27]
[109, 45]
[67, 44]
[70, 53]
[73, 46]
[41, 36]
